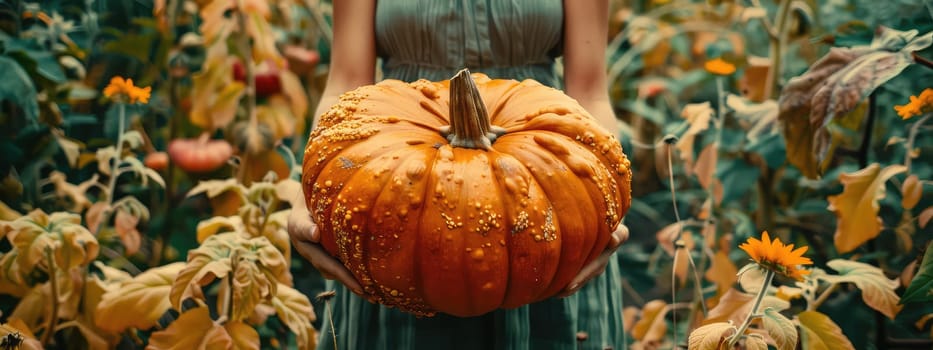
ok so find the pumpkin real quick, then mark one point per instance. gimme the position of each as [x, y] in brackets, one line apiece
[463, 196]
[199, 154]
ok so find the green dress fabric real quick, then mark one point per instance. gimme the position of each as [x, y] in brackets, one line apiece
[512, 39]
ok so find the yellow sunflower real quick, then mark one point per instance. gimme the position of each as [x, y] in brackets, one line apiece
[125, 88]
[719, 66]
[918, 105]
[777, 256]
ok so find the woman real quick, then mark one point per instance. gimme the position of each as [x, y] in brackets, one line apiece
[510, 39]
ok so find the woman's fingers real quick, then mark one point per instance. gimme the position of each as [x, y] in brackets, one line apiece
[598, 265]
[329, 267]
[301, 227]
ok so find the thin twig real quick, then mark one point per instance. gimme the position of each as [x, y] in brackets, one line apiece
[53, 281]
[923, 61]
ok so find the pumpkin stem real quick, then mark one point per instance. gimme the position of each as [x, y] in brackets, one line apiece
[469, 119]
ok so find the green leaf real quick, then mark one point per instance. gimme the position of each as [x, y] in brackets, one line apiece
[17, 87]
[739, 176]
[709, 337]
[780, 328]
[821, 333]
[921, 287]
[877, 289]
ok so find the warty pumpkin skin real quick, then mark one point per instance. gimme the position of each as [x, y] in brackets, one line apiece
[429, 227]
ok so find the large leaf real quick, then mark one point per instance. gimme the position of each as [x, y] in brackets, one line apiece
[192, 330]
[709, 337]
[834, 86]
[17, 88]
[735, 306]
[147, 293]
[294, 309]
[780, 328]
[819, 332]
[877, 289]
[651, 326]
[254, 265]
[722, 271]
[32, 235]
[243, 335]
[856, 208]
[921, 287]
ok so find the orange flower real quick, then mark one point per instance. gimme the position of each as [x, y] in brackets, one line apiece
[776, 256]
[125, 88]
[918, 105]
[719, 66]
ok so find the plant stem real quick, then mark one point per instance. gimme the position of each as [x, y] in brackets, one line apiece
[776, 47]
[53, 282]
[912, 136]
[753, 313]
[469, 120]
[112, 183]
[923, 61]
[865, 146]
[246, 52]
[823, 296]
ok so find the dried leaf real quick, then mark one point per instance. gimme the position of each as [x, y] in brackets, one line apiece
[192, 330]
[856, 208]
[666, 236]
[698, 116]
[682, 257]
[821, 333]
[244, 336]
[95, 215]
[263, 42]
[125, 225]
[722, 272]
[755, 342]
[147, 293]
[924, 218]
[877, 289]
[710, 336]
[780, 328]
[293, 88]
[31, 235]
[911, 190]
[71, 148]
[734, 306]
[294, 309]
[705, 168]
[652, 325]
[219, 224]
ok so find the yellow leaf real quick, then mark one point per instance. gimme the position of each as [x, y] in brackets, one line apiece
[856, 208]
[31, 235]
[263, 39]
[911, 190]
[294, 309]
[7, 214]
[147, 293]
[243, 335]
[192, 330]
[821, 333]
[21, 331]
[652, 325]
[877, 290]
[710, 336]
[293, 88]
[277, 115]
[780, 328]
[218, 224]
[755, 342]
[722, 272]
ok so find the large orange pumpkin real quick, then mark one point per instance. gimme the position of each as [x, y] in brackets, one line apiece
[436, 205]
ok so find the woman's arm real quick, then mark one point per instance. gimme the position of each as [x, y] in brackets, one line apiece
[352, 64]
[586, 24]
[353, 53]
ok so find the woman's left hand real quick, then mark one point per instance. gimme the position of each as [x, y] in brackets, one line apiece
[598, 265]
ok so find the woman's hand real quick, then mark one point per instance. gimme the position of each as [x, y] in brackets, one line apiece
[598, 265]
[306, 240]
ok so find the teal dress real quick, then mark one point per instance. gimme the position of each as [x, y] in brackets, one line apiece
[513, 39]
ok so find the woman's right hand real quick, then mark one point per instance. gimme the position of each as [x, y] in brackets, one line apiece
[306, 239]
